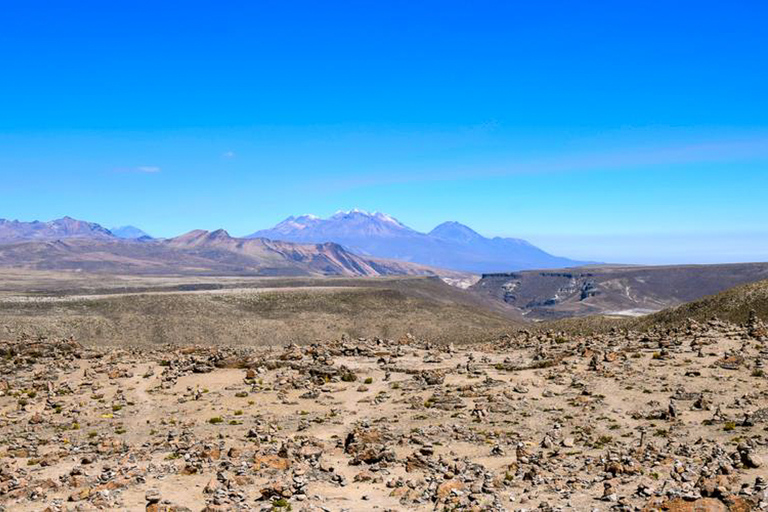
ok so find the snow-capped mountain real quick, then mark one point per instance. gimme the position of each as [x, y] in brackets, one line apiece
[450, 245]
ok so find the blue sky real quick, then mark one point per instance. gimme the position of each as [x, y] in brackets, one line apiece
[614, 131]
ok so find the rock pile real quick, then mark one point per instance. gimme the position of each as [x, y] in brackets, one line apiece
[672, 420]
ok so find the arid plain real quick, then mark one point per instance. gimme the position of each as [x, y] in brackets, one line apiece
[401, 393]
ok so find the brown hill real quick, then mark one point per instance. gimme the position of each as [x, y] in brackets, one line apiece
[111, 310]
[733, 305]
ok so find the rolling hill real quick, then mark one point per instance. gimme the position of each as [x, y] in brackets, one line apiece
[151, 310]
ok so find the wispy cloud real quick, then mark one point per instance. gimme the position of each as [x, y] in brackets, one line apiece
[148, 169]
[142, 169]
[228, 155]
[610, 159]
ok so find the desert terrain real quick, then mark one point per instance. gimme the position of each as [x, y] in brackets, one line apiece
[384, 256]
[149, 393]
[211, 373]
[149, 310]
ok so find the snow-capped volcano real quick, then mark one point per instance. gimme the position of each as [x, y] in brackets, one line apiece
[357, 213]
[451, 245]
[296, 223]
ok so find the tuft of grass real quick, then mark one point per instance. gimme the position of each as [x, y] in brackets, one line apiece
[281, 503]
[603, 441]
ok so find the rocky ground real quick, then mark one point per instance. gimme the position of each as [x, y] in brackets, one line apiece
[674, 420]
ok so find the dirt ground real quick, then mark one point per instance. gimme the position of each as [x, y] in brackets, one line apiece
[667, 420]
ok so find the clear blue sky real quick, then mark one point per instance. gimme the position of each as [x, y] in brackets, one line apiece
[619, 131]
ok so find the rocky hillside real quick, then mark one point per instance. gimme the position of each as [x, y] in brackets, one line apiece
[734, 305]
[617, 291]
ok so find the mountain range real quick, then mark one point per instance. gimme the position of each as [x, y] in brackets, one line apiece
[361, 244]
[66, 227]
[199, 253]
[450, 245]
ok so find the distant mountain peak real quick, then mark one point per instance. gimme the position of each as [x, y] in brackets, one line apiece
[456, 231]
[300, 222]
[65, 227]
[450, 245]
[130, 233]
[342, 213]
[357, 212]
[221, 234]
[336, 228]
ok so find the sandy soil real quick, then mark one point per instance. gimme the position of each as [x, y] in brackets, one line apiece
[670, 420]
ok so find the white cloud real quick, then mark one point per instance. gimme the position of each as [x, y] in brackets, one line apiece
[148, 169]
[228, 154]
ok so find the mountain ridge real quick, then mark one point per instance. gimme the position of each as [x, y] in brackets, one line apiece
[200, 252]
[449, 245]
[65, 227]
